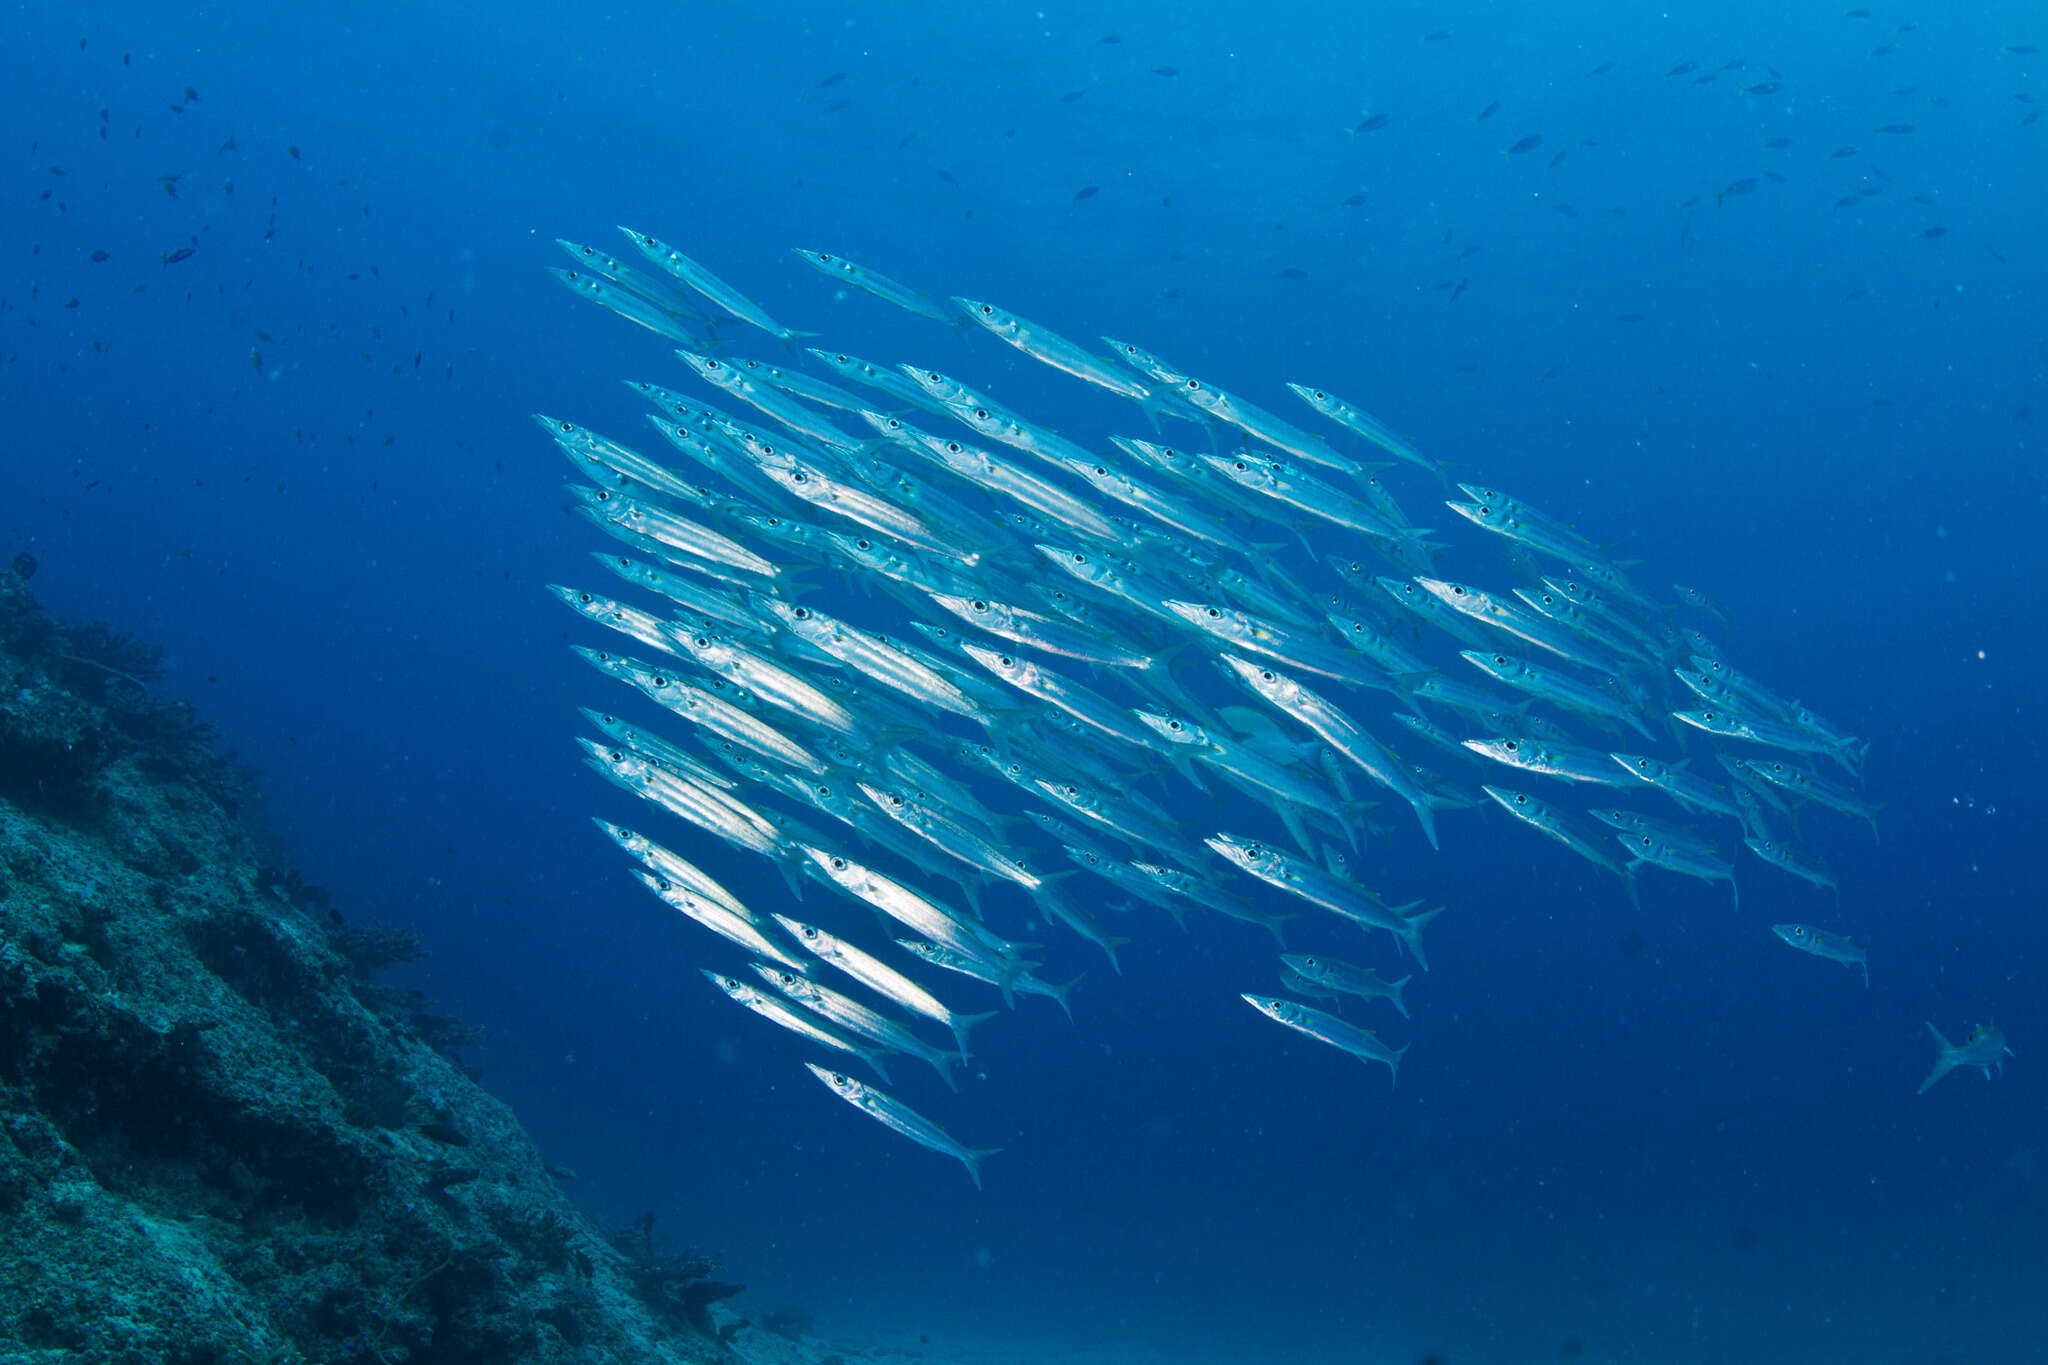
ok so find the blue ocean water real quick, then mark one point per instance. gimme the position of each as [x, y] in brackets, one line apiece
[1801, 377]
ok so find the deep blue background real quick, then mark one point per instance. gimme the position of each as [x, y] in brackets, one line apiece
[1659, 1131]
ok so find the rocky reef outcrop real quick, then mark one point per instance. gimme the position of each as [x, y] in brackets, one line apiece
[221, 1140]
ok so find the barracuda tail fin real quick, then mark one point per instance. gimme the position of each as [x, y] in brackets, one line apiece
[1944, 1061]
[964, 1022]
[1411, 935]
[972, 1157]
[1394, 990]
[1425, 815]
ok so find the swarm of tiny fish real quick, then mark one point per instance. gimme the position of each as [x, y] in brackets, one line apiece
[1056, 676]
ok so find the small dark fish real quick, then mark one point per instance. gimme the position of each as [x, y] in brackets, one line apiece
[829, 81]
[1526, 144]
[2023, 97]
[1857, 14]
[946, 176]
[1705, 78]
[2033, 116]
[1601, 69]
[1841, 153]
[1774, 177]
[836, 105]
[1763, 88]
[71, 303]
[181, 254]
[1855, 294]
[1166, 71]
[1087, 192]
[1929, 234]
[1351, 201]
[1884, 49]
[1629, 317]
[1071, 96]
[1553, 372]
[1372, 123]
[1735, 65]
[1897, 129]
[1567, 210]
[227, 146]
[1683, 68]
[1455, 293]
[1109, 39]
[1902, 91]
[292, 149]
[1438, 35]
[191, 95]
[1745, 185]
[1777, 143]
[1291, 273]
[169, 180]
[1471, 250]
[99, 255]
[1488, 112]
[1558, 160]
[2021, 49]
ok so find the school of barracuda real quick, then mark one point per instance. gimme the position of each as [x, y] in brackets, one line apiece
[1104, 643]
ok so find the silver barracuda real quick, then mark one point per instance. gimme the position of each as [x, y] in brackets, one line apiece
[881, 978]
[899, 1117]
[786, 1013]
[1328, 1028]
[876, 283]
[710, 286]
[1821, 943]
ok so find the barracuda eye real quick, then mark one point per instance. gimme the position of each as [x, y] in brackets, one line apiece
[1521, 800]
[660, 681]
[987, 311]
[1080, 558]
[1457, 591]
[1194, 386]
[1266, 675]
[839, 1078]
[701, 641]
[935, 376]
[713, 365]
[584, 597]
[1006, 661]
[1646, 841]
[664, 884]
[1240, 466]
[1101, 472]
[1213, 614]
[981, 414]
[978, 605]
[1501, 660]
[954, 447]
[800, 477]
[1513, 746]
[800, 613]
[863, 544]
[842, 360]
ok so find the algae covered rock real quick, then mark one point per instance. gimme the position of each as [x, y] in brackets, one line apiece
[220, 1141]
